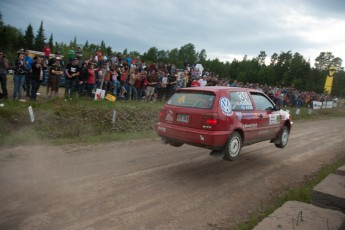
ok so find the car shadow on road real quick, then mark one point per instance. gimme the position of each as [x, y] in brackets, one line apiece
[211, 170]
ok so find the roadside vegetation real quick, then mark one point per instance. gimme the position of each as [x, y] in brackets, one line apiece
[301, 193]
[85, 120]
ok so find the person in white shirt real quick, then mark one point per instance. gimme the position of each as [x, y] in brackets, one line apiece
[203, 81]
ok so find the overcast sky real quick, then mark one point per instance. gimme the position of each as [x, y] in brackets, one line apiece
[226, 29]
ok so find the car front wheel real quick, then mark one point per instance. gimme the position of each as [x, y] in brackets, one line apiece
[233, 147]
[283, 138]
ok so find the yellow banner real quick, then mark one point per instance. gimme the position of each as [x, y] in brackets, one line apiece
[329, 80]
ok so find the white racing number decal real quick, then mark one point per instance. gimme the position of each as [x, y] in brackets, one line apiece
[225, 105]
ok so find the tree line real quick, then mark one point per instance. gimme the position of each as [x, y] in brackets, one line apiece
[284, 68]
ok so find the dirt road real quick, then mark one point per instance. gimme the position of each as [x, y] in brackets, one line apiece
[147, 185]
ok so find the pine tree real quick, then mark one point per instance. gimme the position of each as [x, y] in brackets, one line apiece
[29, 37]
[50, 42]
[40, 38]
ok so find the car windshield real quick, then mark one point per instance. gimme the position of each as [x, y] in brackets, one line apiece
[193, 99]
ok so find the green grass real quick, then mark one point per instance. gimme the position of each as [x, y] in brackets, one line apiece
[301, 193]
[80, 120]
[86, 120]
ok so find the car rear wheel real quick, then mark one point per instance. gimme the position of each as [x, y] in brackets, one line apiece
[283, 138]
[233, 147]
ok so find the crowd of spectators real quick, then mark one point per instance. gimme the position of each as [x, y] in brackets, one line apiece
[129, 78]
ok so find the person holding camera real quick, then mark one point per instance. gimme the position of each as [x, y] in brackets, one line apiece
[20, 73]
[3, 74]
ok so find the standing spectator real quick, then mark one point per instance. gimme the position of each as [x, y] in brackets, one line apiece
[172, 84]
[91, 80]
[79, 55]
[19, 76]
[82, 79]
[185, 79]
[3, 74]
[141, 84]
[101, 75]
[134, 75]
[28, 64]
[162, 85]
[46, 50]
[152, 80]
[203, 81]
[234, 84]
[123, 80]
[72, 72]
[71, 55]
[36, 76]
[195, 83]
[115, 80]
[179, 82]
[98, 56]
[56, 70]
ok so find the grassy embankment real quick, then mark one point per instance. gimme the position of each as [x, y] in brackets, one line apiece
[86, 120]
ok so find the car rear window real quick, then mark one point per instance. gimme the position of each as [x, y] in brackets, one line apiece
[193, 99]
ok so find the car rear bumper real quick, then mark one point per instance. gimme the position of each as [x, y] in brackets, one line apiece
[197, 137]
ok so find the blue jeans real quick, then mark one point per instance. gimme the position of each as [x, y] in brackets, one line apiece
[18, 85]
[133, 90]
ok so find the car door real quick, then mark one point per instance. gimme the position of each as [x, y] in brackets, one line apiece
[268, 118]
[243, 108]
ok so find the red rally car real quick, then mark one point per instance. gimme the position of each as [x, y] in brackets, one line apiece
[223, 119]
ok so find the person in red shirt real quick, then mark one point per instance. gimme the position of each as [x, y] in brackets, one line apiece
[46, 50]
[195, 83]
[91, 80]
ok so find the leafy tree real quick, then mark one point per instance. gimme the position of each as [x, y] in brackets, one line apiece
[173, 56]
[151, 56]
[327, 59]
[201, 57]
[261, 58]
[187, 54]
[162, 56]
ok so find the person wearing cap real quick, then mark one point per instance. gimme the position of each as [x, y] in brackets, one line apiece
[56, 70]
[71, 55]
[72, 72]
[3, 74]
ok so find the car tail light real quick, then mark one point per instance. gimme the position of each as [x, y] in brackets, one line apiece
[210, 119]
[161, 113]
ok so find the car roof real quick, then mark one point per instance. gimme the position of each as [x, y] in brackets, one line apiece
[216, 89]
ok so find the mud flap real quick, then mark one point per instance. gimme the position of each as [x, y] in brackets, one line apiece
[217, 154]
[164, 141]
